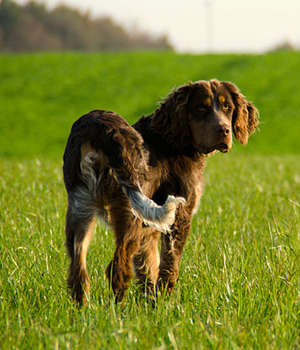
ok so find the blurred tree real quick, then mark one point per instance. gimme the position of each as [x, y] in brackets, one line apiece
[111, 36]
[71, 27]
[10, 15]
[285, 45]
[32, 27]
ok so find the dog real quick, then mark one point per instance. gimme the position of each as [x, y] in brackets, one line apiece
[146, 181]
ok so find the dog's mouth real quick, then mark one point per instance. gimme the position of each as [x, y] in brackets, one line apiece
[222, 147]
[225, 150]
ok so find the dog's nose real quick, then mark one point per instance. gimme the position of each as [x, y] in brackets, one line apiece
[222, 129]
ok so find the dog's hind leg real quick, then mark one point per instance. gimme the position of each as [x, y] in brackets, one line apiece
[127, 230]
[78, 237]
[146, 261]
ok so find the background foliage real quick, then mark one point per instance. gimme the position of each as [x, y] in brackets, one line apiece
[33, 27]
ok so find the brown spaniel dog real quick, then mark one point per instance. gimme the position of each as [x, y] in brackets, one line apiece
[146, 180]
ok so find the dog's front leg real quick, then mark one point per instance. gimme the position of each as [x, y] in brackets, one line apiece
[171, 250]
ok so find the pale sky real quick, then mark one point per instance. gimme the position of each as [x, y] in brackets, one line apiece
[199, 26]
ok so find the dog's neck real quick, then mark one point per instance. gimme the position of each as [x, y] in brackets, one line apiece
[168, 145]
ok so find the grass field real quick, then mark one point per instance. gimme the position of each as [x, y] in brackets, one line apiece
[239, 281]
[41, 95]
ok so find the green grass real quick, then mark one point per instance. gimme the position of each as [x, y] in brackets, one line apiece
[239, 277]
[41, 95]
[239, 281]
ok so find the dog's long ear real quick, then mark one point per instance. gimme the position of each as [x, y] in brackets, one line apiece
[245, 116]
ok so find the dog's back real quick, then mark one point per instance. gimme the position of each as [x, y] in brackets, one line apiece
[105, 154]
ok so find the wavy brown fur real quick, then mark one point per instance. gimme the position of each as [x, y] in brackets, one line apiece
[146, 179]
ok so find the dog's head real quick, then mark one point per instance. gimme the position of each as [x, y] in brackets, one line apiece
[203, 115]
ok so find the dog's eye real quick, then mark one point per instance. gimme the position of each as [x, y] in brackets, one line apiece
[226, 107]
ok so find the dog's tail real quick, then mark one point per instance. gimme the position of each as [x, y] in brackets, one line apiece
[123, 147]
[159, 217]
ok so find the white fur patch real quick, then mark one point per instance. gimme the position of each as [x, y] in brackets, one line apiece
[159, 217]
[81, 203]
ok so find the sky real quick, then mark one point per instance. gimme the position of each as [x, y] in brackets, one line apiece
[199, 26]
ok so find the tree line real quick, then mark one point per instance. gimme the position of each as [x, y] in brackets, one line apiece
[33, 27]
